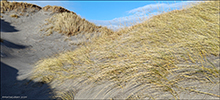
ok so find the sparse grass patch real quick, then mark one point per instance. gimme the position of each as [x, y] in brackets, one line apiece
[14, 15]
[2, 12]
[21, 14]
[163, 52]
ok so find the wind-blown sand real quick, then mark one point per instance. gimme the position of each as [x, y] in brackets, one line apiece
[24, 44]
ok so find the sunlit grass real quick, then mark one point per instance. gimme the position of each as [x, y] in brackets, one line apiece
[14, 15]
[23, 7]
[71, 24]
[58, 9]
[18, 7]
[162, 52]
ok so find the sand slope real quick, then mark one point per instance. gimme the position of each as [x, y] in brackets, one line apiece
[24, 44]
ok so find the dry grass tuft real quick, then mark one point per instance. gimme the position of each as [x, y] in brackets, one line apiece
[27, 7]
[57, 9]
[14, 15]
[71, 25]
[2, 11]
[165, 52]
[18, 7]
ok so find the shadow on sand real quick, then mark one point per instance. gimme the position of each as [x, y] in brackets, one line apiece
[7, 48]
[6, 27]
[11, 88]
[12, 45]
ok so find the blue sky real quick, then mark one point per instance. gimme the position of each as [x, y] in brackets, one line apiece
[114, 13]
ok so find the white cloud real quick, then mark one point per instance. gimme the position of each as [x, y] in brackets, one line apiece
[159, 6]
[117, 22]
[147, 7]
[120, 22]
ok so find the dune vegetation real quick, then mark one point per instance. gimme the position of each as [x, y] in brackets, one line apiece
[18, 7]
[23, 7]
[162, 52]
[56, 9]
[71, 24]
[14, 15]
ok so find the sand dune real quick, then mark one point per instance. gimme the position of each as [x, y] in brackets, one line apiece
[23, 43]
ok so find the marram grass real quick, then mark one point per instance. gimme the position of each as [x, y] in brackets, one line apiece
[71, 24]
[162, 52]
[18, 7]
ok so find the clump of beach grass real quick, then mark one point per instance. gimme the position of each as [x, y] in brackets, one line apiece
[57, 9]
[18, 7]
[162, 52]
[14, 15]
[71, 24]
[27, 7]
